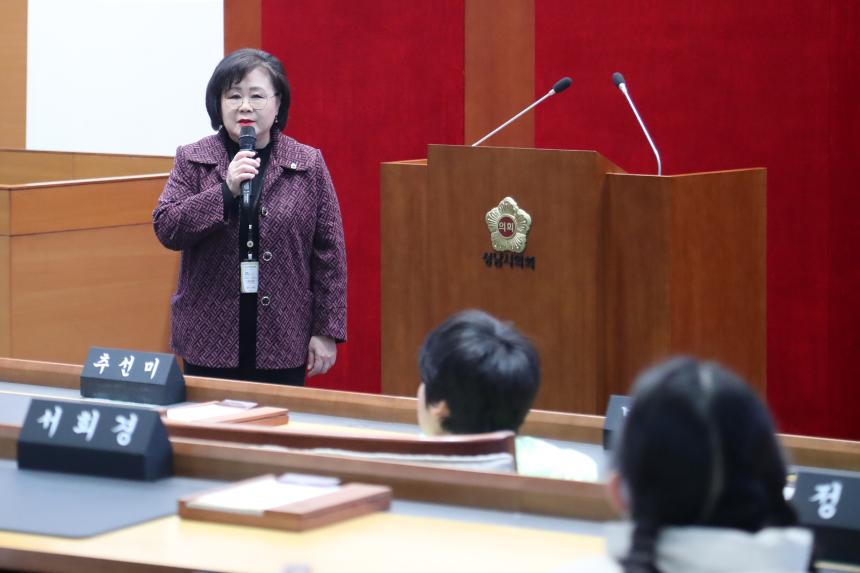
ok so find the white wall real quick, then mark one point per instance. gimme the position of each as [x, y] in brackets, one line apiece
[120, 76]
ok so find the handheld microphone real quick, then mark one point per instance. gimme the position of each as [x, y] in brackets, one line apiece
[559, 87]
[247, 142]
[618, 80]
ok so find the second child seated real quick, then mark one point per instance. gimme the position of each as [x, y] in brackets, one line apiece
[480, 375]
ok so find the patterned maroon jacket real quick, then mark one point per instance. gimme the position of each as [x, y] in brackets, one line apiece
[302, 286]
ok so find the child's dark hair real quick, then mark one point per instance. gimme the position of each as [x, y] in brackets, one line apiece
[485, 370]
[698, 448]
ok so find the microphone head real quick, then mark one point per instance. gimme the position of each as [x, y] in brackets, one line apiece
[562, 84]
[618, 79]
[247, 137]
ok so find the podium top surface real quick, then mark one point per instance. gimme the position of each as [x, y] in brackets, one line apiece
[612, 167]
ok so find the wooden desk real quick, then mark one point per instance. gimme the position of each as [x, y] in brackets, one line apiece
[588, 429]
[381, 542]
[395, 542]
[378, 543]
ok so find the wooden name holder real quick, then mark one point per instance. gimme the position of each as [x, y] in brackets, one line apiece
[292, 502]
[226, 412]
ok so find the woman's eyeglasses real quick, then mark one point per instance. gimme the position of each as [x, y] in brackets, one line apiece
[256, 101]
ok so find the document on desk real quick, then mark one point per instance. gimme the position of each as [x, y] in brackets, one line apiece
[256, 496]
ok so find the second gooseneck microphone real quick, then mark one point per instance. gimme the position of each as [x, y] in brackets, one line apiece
[618, 80]
[247, 142]
[559, 87]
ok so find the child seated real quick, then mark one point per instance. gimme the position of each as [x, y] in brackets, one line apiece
[700, 475]
[479, 375]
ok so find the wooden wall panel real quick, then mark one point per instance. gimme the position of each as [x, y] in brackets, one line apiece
[5, 299]
[108, 202]
[76, 289]
[13, 74]
[405, 316]
[242, 24]
[94, 165]
[19, 166]
[5, 195]
[500, 51]
[79, 262]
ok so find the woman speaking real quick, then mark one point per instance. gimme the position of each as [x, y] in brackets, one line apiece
[262, 283]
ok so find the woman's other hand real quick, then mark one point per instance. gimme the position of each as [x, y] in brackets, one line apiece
[243, 168]
[322, 353]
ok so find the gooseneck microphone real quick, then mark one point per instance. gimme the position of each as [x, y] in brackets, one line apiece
[618, 80]
[559, 87]
[247, 142]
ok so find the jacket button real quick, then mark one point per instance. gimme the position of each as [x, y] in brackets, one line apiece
[264, 211]
[267, 256]
[265, 301]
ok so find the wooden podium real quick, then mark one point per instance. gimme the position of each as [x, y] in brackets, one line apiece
[619, 270]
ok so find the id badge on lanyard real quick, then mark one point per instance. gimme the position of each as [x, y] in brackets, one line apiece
[249, 273]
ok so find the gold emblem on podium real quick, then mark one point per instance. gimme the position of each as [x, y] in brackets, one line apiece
[509, 226]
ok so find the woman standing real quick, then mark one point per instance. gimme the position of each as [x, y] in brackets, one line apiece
[262, 283]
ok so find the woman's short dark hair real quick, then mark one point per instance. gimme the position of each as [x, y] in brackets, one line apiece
[698, 448]
[485, 370]
[236, 66]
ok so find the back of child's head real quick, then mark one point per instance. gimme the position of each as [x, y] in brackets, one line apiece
[486, 371]
[698, 448]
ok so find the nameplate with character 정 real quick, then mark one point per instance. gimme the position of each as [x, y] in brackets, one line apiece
[616, 413]
[828, 501]
[132, 376]
[94, 439]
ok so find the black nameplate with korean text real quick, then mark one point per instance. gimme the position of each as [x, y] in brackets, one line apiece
[616, 412]
[828, 501]
[94, 439]
[132, 376]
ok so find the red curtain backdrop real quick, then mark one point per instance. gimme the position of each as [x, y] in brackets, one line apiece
[733, 84]
[372, 81]
[721, 84]
[840, 393]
